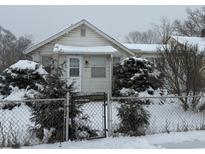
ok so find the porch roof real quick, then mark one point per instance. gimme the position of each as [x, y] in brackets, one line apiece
[101, 50]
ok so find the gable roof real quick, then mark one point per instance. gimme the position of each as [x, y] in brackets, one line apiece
[199, 41]
[82, 22]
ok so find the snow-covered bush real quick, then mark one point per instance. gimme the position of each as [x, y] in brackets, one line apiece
[135, 77]
[24, 75]
[49, 117]
[134, 118]
[29, 80]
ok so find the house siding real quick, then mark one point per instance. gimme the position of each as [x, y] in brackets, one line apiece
[73, 38]
[90, 84]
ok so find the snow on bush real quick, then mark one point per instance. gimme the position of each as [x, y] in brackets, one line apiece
[18, 82]
[22, 65]
[135, 77]
[43, 121]
[24, 75]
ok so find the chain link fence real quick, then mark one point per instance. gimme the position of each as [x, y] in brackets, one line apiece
[41, 121]
[88, 116]
[166, 114]
[31, 122]
[90, 123]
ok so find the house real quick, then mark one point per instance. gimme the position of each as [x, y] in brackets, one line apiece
[89, 55]
[148, 51]
[189, 40]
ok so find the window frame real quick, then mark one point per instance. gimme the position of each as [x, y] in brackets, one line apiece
[116, 61]
[74, 67]
[45, 56]
[47, 66]
[98, 66]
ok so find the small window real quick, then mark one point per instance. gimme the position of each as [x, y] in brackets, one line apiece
[74, 67]
[46, 61]
[83, 32]
[98, 68]
[116, 61]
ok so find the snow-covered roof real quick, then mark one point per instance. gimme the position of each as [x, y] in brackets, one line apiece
[73, 26]
[84, 50]
[199, 41]
[143, 47]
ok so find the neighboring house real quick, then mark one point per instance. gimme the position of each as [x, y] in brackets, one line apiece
[89, 55]
[148, 51]
[190, 40]
[193, 41]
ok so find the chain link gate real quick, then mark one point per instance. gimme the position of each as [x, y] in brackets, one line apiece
[87, 116]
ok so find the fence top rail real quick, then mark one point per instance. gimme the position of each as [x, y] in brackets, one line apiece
[34, 100]
[159, 97]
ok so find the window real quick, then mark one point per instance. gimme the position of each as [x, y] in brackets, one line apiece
[98, 67]
[46, 61]
[74, 67]
[83, 32]
[116, 60]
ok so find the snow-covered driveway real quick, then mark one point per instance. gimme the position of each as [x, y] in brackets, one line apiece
[176, 140]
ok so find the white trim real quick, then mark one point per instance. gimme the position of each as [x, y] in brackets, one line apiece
[82, 22]
[80, 69]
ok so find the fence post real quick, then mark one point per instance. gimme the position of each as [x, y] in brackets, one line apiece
[67, 116]
[109, 114]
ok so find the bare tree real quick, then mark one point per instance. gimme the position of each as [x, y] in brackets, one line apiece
[193, 24]
[159, 33]
[11, 48]
[164, 29]
[147, 37]
[182, 67]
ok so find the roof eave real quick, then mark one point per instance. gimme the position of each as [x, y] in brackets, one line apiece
[53, 37]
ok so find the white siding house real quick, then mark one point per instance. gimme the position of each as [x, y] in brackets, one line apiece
[148, 51]
[189, 40]
[87, 52]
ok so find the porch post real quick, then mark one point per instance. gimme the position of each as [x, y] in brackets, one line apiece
[109, 114]
[67, 123]
[111, 74]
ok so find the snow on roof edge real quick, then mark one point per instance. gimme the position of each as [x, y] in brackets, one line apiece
[199, 41]
[84, 50]
[143, 47]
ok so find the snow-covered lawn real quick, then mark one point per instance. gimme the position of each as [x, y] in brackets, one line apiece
[171, 140]
[163, 118]
[15, 124]
[169, 117]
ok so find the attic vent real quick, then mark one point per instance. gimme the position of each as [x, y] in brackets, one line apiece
[83, 32]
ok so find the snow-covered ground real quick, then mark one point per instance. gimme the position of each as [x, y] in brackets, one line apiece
[168, 117]
[163, 118]
[188, 140]
[15, 125]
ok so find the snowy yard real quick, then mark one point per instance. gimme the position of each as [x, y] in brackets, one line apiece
[188, 140]
[164, 118]
[168, 117]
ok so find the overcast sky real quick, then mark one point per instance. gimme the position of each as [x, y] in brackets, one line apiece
[117, 21]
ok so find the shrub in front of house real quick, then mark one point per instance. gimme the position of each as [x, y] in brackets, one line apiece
[29, 80]
[135, 77]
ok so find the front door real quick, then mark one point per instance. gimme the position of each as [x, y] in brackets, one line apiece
[74, 72]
